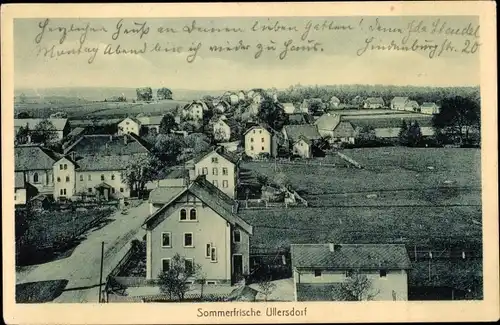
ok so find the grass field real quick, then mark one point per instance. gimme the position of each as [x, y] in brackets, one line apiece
[396, 197]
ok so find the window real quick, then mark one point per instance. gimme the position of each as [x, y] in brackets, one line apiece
[61, 166]
[113, 190]
[90, 177]
[224, 171]
[236, 236]
[65, 166]
[211, 282]
[260, 131]
[216, 184]
[251, 147]
[188, 265]
[215, 171]
[81, 178]
[61, 192]
[102, 177]
[262, 148]
[383, 273]
[188, 239]
[183, 214]
[225, 184]
[262, 140]
[208, 250]
[90, 189]
[15, 197]
[317, 273]
[215, 160]
[165, 264]
[35, 178]
[192, 214]
[113, 177]
[121, 189]
[251, 139]
[165, 239]
[58, 180]
[213, 255]
[67, 179]
[253, 132]
[348, 273]
[204, 171]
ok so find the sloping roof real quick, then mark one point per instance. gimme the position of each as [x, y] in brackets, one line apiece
[150, 120]
[261, 125]
[344, 130]
[163, 195]
[303, 138]
[327, 121]
[19, 180]
[298, 118]
[75, 132]
[34, 158]
[132, 119]
[288, 107]
[59, 123]
[412, 103]
[103, 185]
[375, 100]
[209, 194]
[399, 100]
[103, 144]
[334, 99]
[428, 105]
[103, 162]
[199, 102]
[318, 291]
[230, 156]
[308, 131]
[350, 256]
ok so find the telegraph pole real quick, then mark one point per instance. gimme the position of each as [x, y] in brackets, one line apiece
[100, 277]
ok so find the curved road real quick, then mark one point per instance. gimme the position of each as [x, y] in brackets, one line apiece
[82, 268]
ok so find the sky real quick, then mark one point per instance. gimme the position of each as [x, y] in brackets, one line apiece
[336, 63]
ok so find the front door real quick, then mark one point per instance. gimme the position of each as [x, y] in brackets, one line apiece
[237, 266]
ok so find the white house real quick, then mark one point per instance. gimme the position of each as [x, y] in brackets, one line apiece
[429, 108]
[399, 103]
[195, 110]
[289, 108]
[223, 129]
[302, 147]
[260, 139]
[320, 270]
[129, 125]
[334, 102]
[374, 103]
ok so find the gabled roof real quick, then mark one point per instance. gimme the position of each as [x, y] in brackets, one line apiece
[344, 130]
[302, 138]
[75, 132]
[412, 103]
[428, 104]
[327, 121]
[350, 256]
[133, 119]
[261, 125]
[103, 162]
[34, 158]
[289, 107]
[399, 100]
[163, 195]
[307, 131]
[59, 123]
[334, 99]
[199, 102]
[104, 144]
[375, 100]
[298, 118]
[209, 194]
[231, 157]
[19, 181]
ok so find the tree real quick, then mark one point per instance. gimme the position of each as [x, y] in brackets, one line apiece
[24, 115]
[457, 117]
[167, 124]
[168, 147]
[173, 282]
[164, 93]
[140, 170]
[199, 142]
[22, 135]
[357, 288]
[272, 113]
[281, 180]
[44, 132]
[414, 134]
[266, 286]
[367, 133]
[403, 134]
[144, 94]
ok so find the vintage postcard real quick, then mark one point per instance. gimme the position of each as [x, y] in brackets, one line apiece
[249, 163]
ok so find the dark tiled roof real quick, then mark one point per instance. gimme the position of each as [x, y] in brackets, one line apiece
[19, 180]
[375, 100]
[101, 162]
[350, 256]
[34, 158]
[103, 144]
[230, 156]
[308, 131]
[163, 195]
[217, 200]
[318, 291]
[399, 100]
[297, 118]
[344, 130]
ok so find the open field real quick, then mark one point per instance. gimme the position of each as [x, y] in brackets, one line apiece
[157, 108]
[365, 112]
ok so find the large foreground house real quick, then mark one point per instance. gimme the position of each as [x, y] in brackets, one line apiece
[320, 271]
[199, 223]
[61, 125]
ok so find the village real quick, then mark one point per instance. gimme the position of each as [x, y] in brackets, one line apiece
[251, 195]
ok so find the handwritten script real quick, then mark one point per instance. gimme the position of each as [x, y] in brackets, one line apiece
[433, 38]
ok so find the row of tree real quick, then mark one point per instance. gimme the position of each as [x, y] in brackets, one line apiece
[146, 94]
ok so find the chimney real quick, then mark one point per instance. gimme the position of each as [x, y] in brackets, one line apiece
[73, 155]
[331, 247]
[125, 139]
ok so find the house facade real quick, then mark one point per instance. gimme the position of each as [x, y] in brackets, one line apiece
[64, 175]
[302, 147]
[36, 165]
[317, 267]
[374, 103]
[399, 103]
[222, 130]
[260, 140]
[412, 106]
[326, 124]
[289, 108]
[23, 191]
[129, 125]
[195, 110]
[150, 123]
[201, 226]
[429, 108]
[220, 168]
[344, 132]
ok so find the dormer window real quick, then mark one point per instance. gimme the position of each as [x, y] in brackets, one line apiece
[236, 236]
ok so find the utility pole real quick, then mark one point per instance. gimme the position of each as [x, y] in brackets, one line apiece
[100, 277]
